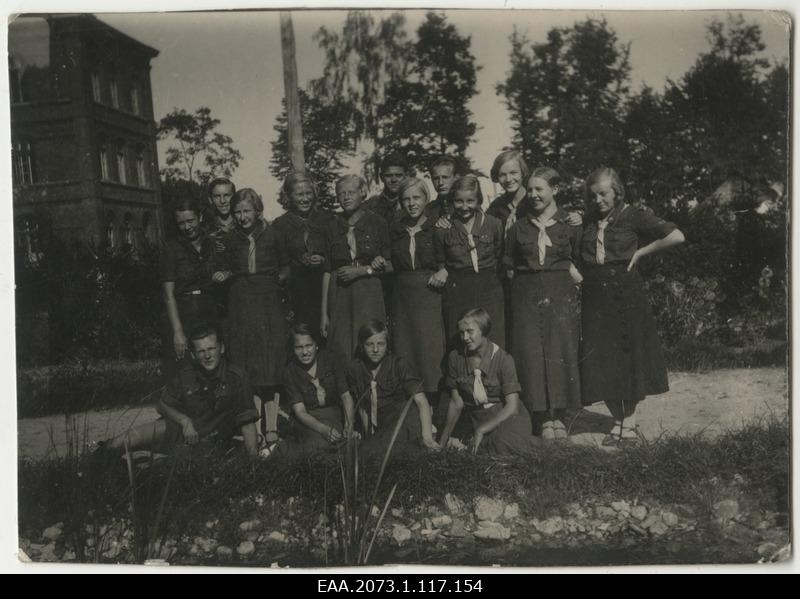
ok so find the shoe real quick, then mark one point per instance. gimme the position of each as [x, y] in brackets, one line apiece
[548, 432]
[630, 437]
[611, 440]
[560, 432]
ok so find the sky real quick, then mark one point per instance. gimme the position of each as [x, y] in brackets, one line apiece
[231, 62]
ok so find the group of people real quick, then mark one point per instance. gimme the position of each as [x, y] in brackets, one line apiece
[491, 324]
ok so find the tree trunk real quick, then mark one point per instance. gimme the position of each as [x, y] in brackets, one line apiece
[294, 122]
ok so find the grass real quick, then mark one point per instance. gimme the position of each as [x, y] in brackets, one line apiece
[205, 485]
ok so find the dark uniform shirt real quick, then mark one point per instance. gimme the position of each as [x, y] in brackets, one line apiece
[396, 380]
[439, 207]
[303, 235]
[215, 401]
[270, 251]
[500, 207]
[187, 267]
[522, 244]
[218, 232]
[628, 228]
[301, 389]
[451, 246]
[387, 208]
[424, 258]
[499, 375]
[372, 240]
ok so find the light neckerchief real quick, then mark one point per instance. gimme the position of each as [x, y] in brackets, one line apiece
[600, 251]
[412, 242]
[512, 214]
[478, 390]
[351, 238]
[543, 240]
[312, 372]
[473, 248]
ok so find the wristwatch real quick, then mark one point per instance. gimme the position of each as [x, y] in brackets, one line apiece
[370, 272]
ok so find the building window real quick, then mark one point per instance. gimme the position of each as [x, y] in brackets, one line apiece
[122, 174]
[141, 169]
[114, 93]
[23, 163]
[111, 230]
[105, 173]
[135, 104]
[149, 229]
[96, 90]
[127, 231]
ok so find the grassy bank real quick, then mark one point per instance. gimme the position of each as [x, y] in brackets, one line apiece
[210, 493]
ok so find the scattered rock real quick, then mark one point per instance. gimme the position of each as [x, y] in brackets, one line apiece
[488, 509]
[245, 548]
[49, 553]
[726, 510]
[397, 512]
[651, 521]
[441, 521]
[621, 506]
[658, 529]
[573, 508]
[767, 549]
[277, 536]
[511, 512]
[427, 524]
[224, 552]
[669, 519]
[551, 526]
[249, 525]
[492, 530]
[212, 524]
[401, 534]
[639, 512]
[603, 511]
[252, 536]
[430, 532]
[457, 529]
[416, 526]
[454, 505]
[375, 512]
[52, 533]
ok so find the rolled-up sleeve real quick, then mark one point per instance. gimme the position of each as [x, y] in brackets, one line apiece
[409, 380]
[649, 226]
[509, 383]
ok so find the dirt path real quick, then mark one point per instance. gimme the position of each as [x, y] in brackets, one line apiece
[709, 402]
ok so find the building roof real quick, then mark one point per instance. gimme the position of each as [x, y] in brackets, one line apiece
[90, 22]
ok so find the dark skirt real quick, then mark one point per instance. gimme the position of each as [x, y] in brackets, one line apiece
[465, 290]
[257, 329]
[305, 295]
[621, 355]
[303, 440]
[545, 339]
[419, 327]
[512, 437]
[389, 412]
[350, 306]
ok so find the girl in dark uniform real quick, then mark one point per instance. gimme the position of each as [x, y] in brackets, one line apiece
[380, 383]
[469, 255]
[482, 377]
[357, 254]
[315, 390]
[256, 260]
[303, 227]
[417, 307]
[621, 356]
[542, 249]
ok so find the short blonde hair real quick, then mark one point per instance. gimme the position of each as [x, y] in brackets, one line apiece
[247, 195]
[616, 182]
[411, 183]
[508, 156]
[480, 317]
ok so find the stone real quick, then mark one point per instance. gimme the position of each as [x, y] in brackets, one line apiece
[457, 529]
[639, 512]
[441, 521]
[573, 508]
[416, 526]
[252, 536]
[551, 526]
[669, 519]
[397, 512]
[621, 506]
[491, 530]
[401, 534]
[605, 512]
[52, 533]
[250, 525]
[212, 523]
[488, 509]
[245, 548]
[767, 549]
[511, 512]
[453, 504]
[277, 536]
[375, 512]
[224, 552]
[638, 529]
[427, 524]
[49, 553]
[650, 521]
[726, 510]
[658, 529]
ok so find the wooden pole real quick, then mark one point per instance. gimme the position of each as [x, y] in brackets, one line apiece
[294, 122]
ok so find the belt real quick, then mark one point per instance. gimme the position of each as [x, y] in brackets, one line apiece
[194, 292]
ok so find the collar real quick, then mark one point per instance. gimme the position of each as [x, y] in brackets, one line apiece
[486, 355]
[217, 375]
[560, 215]
[477, 225]
[400, 225]
[615, 213]
[258, 229]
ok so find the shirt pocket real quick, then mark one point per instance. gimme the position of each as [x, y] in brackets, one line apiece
[367, 245]
[621, 242]
[527, 249]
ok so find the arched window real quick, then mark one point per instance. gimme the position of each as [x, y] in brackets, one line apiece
[111, 230]
[149, 228]
[136, 107]
[114, 89]
[127, 230]
[122, 166]
[105, 165]
[23, 162]
[141, 167]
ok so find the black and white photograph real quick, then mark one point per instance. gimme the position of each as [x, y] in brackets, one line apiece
[310, 288]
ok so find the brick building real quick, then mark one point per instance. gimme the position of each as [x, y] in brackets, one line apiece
[83, 134]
